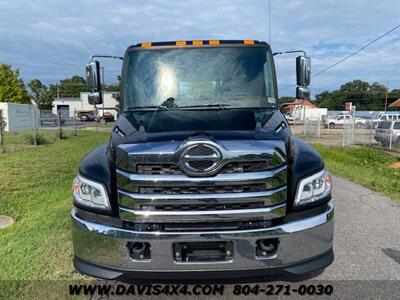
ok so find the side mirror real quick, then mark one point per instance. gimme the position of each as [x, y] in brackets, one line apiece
[94, 83]
[303, 70]
[95, 98]
[302, 92]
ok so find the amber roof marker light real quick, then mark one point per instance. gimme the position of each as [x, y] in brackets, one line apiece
[197, 43]
[213, 42]
[180, 43]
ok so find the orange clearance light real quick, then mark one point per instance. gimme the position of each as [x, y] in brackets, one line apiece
[248, 42]
[213, 42]
[75, 187]
[180, 43]
[197, 43]
[147, 44]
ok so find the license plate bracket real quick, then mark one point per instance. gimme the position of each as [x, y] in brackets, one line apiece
[192, 252]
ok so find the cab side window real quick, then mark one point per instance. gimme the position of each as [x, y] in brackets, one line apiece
[396, 125]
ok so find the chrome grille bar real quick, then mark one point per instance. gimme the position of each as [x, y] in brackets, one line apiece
[135, 201]
[264, 213]
[272, 179]
[168, 152]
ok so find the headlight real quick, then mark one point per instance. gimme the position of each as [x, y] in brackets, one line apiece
[313, 188]
[90, 193]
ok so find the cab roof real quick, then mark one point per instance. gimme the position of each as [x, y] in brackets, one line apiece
[198, 43]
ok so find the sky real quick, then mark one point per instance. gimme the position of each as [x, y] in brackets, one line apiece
[52, 40]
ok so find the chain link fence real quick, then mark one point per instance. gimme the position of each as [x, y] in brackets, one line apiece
[385, 135]
[48, 127]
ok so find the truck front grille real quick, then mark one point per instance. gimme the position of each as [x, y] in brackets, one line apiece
[249, 186]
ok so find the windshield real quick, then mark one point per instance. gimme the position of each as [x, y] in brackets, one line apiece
[224, 77]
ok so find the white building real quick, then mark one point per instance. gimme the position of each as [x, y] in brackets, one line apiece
[68, 106]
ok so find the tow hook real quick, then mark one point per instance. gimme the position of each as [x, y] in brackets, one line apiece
[267, 247]
[139, 250]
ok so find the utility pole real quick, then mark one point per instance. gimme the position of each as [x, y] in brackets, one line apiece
[386, 94]
[269, 22]
[102, 85]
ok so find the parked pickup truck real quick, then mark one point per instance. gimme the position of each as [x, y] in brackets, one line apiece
[389, 116]
[388, 132]
[201, 177]
[342, 120]
[86, 116]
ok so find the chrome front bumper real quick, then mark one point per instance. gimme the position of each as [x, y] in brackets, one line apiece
[101, 248]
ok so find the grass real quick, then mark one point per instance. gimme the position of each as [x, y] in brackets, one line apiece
[35, 190]
[15, 141]
[366, 166]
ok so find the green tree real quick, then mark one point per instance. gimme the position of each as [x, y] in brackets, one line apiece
[41, 94]
[69, 87]
[12, 88]
[363, 95]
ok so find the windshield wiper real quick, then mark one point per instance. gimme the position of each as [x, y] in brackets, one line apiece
[149, 107]
[216, 105]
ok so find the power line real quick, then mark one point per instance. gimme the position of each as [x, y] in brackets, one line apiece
[350, 55]
[359, 50]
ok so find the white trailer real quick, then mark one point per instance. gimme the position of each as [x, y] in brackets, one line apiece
[302, 113]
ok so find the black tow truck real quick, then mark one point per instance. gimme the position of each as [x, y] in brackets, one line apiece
[201, 176]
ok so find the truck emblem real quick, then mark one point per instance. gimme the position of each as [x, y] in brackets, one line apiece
[201, 159]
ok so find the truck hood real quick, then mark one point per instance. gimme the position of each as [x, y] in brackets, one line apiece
[230, 124]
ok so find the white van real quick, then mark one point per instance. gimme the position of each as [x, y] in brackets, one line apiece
[393, 116]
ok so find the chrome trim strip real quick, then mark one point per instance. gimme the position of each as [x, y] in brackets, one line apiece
[147, 213]
[189, 197]
[240, 178]
[291, 227]
[267, 213]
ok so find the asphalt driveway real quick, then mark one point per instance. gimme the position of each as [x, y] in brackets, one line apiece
[367, 235]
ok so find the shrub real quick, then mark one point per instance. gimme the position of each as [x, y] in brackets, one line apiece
[40, 139]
